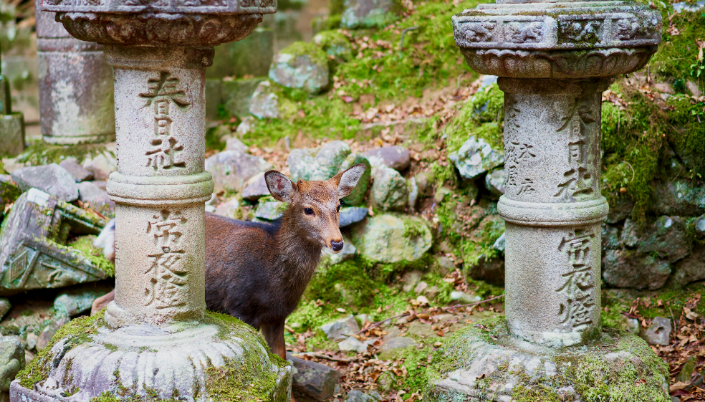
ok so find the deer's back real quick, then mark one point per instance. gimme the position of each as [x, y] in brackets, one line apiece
[243, 277]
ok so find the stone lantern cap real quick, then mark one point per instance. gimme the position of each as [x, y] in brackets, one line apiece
[558, 40]
[160, 23]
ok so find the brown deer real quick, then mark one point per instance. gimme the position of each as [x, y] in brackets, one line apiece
[258, 272]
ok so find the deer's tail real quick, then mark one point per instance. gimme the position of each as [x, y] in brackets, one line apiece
[106, 240]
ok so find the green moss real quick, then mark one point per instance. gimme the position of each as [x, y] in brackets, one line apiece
[76, 332]
[246, 380]
[42, 153]
[84, 244]
[481, 116]
[307, 49]
[594, 378]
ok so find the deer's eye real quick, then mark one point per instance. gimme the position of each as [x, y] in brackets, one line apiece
[338, 209]
[308, 211]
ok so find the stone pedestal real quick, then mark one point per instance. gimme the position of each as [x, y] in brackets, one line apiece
[156, 341]
[554, 61]
[12, 140]
[75, 86]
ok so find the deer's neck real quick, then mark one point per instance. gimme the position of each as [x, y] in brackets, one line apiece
[298, 255]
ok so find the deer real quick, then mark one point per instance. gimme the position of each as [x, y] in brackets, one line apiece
[257, 271]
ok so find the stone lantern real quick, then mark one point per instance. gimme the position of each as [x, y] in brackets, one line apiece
[553, 60]
[75, 86]
[156, 341]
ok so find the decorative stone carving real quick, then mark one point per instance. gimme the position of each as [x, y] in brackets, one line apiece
[155, 341]
[553, 60]
[75, 86]
[32, 255]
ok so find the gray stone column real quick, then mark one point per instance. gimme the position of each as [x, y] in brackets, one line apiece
[156, 341]
[552, 208]
[75, 86]
[12, 140]
[161, 185]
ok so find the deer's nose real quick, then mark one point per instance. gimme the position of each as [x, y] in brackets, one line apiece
[336, 245]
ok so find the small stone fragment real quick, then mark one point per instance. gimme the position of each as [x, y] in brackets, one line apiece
[411, 279]
[77, 171]
[32, 339]
[232, 169]
[301, 65]
[52, 179]
[700, 227]
[389, 189]
[494, 182]
[11, 360]
[499, 243]
[101, 165]
[256, 188]
[395, 157]
[395, 346]
[420, 288]
[667, 238]
[350, 215]
[359, 396]
[341, 329]
[314, 379]
[49, 331]
[352, 345]
[475, 157]
[246, 126]
[659, 332]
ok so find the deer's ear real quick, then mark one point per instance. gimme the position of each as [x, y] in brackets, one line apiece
[281, 188]
[347, 180]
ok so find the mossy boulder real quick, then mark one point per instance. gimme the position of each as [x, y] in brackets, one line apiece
[335, 44]
[319, 163]
[629, 269]
[301, 65]
[9, 192]
[391, 238]
[269, 102]
[389, 189]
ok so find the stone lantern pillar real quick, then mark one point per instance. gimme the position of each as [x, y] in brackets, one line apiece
[156, 341]
[75, 86]
[553, 60]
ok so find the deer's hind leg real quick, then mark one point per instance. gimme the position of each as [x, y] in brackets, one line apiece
[274, 335]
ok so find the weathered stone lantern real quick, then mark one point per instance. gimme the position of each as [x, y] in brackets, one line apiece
[156, 341]
[553, 59]
[75, 86]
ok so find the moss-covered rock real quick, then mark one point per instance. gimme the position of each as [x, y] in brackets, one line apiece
[335, 44]
[301, 65]
[269, 101]
[389, 189]
[319, 163]
[392, 238]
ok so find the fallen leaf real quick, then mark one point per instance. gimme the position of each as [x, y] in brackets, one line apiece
[678, 386]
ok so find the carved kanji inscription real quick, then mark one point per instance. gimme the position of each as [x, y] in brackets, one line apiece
[167, 273]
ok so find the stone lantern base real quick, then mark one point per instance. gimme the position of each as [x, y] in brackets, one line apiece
[484, 363]
[217, 359]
